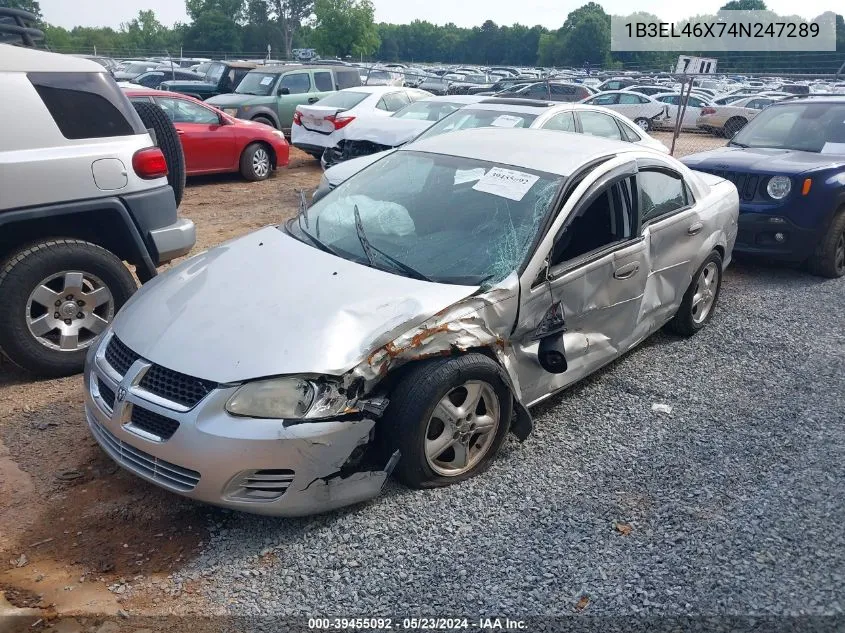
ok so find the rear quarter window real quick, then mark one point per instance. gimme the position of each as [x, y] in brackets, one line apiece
[86, 105]
[347, 79]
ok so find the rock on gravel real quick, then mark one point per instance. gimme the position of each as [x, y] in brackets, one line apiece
[734, 501]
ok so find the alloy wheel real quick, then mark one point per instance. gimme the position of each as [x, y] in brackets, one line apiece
[261, 163]
[68, 310]
[705, 292]
[462, 428]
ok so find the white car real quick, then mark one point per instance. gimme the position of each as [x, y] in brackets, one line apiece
[641, 109]
[321, 125]
[674, 102]
[511, 113]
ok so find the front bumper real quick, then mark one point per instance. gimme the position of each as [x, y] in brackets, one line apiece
[175, 240]
[258, 466]
[774, 237]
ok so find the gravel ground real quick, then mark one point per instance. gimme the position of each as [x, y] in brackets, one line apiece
[734, 499]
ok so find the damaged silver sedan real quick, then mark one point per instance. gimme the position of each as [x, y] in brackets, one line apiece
[407, 321]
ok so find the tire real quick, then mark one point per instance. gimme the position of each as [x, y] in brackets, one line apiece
[47, 266]
[265, 121]
[829, 258]
[643, 123]
[409, 422]
[689, 319]
[732, 126]
[168, 142]
[256, 162]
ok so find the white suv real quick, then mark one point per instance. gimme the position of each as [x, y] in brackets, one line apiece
[83, 189]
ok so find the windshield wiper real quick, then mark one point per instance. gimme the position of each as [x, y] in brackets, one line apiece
[370, 250]
[735, 144]
[303, 215]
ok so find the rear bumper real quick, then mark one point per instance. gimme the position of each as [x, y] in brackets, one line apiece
[774, 237]
[175, 240]
[310, 141]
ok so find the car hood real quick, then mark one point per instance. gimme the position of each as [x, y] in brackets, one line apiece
[345, 170]
[186, 82]
[388, 131]
[764, 160]
[267, 304]
[233, 100]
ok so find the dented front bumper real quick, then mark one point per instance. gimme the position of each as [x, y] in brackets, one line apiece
[258, 466]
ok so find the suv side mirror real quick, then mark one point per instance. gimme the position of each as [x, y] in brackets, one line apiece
[284, 90]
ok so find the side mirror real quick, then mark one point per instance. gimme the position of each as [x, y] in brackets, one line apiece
[283, 91]
[552, 355]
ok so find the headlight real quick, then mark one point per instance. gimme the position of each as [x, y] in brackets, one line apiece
[280, 134]
[231, 111]
[288, 397]
[779, 187]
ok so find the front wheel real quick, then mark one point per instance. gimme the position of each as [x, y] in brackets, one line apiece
[829, 258]
[699, 301]
[643, 123]
[57, 297]
[448, 418]
[256, 163]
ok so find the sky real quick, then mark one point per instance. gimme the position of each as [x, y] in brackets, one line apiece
[549, 13]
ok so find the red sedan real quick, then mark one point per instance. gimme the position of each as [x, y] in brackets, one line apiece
[214, 142]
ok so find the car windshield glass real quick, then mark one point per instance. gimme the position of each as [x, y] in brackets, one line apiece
[343, 99]
[407, 206]
[379, 74]
[427, 110]
[140, 67]
[215, 72]
[469, 118]
[259, 84]
[809, 127]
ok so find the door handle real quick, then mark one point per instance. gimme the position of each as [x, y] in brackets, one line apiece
[313, 100]
[695, 229]
[180, 131]
[627, 271]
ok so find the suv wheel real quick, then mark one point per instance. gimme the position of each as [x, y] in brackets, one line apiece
[167, 139]
[829, 259]
[57, 297]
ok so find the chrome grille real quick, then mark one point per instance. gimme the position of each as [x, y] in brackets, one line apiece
[171, 385]
[106, 393]
[143, 464]
[119, 356]
[160, 381]
[158, 425]
[261, 485]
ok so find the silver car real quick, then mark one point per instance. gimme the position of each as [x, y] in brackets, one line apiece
[407, 321]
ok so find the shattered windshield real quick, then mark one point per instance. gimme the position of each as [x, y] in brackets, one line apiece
[443, 218]
[808, 127]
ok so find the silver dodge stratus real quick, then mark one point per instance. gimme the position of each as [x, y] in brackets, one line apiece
[407, 321]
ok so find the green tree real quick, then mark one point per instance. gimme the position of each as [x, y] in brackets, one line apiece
[290, 15]
[213, 32]
[345, 27]
[145, 32]
[745, 5]
[232, 8]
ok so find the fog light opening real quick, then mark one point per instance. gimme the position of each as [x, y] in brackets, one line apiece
[780, 238]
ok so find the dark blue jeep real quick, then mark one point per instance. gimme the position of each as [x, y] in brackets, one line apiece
[788, 165]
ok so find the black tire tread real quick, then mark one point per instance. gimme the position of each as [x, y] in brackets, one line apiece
[412, 396]
[822, 261]
[22, 257]
[168, 141]
[682, 323]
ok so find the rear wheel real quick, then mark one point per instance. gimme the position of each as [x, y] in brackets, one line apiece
[256, 163]
[734, 125]
[153, 117]
[265, 120]
[700, 298]
[58, 296]
[829, 258]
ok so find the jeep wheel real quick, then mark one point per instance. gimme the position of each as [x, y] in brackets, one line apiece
[57, 297]
[829, 258]
[167, 139]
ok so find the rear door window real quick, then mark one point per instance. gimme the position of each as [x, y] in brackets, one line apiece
[323, 81]
[599, 124]
[347, 79]
[86, 105]
[393, 102]
[181, 111]
[564, 122]
[296, 83]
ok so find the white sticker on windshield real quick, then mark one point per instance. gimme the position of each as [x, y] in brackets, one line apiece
[833, 148]
[506, 183]
[506, 120]
[266, 81]
[468, 175]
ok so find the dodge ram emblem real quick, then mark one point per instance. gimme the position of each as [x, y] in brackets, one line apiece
[121, 394]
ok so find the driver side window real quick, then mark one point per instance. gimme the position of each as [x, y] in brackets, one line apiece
[609, 218]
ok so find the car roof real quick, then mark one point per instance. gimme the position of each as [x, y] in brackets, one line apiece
[541, 150]
[140, 91]
[284, 69]
[374, 89]
[468, 99]
[23, 59]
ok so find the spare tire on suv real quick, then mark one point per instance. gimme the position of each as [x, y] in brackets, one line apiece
[167, 139]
